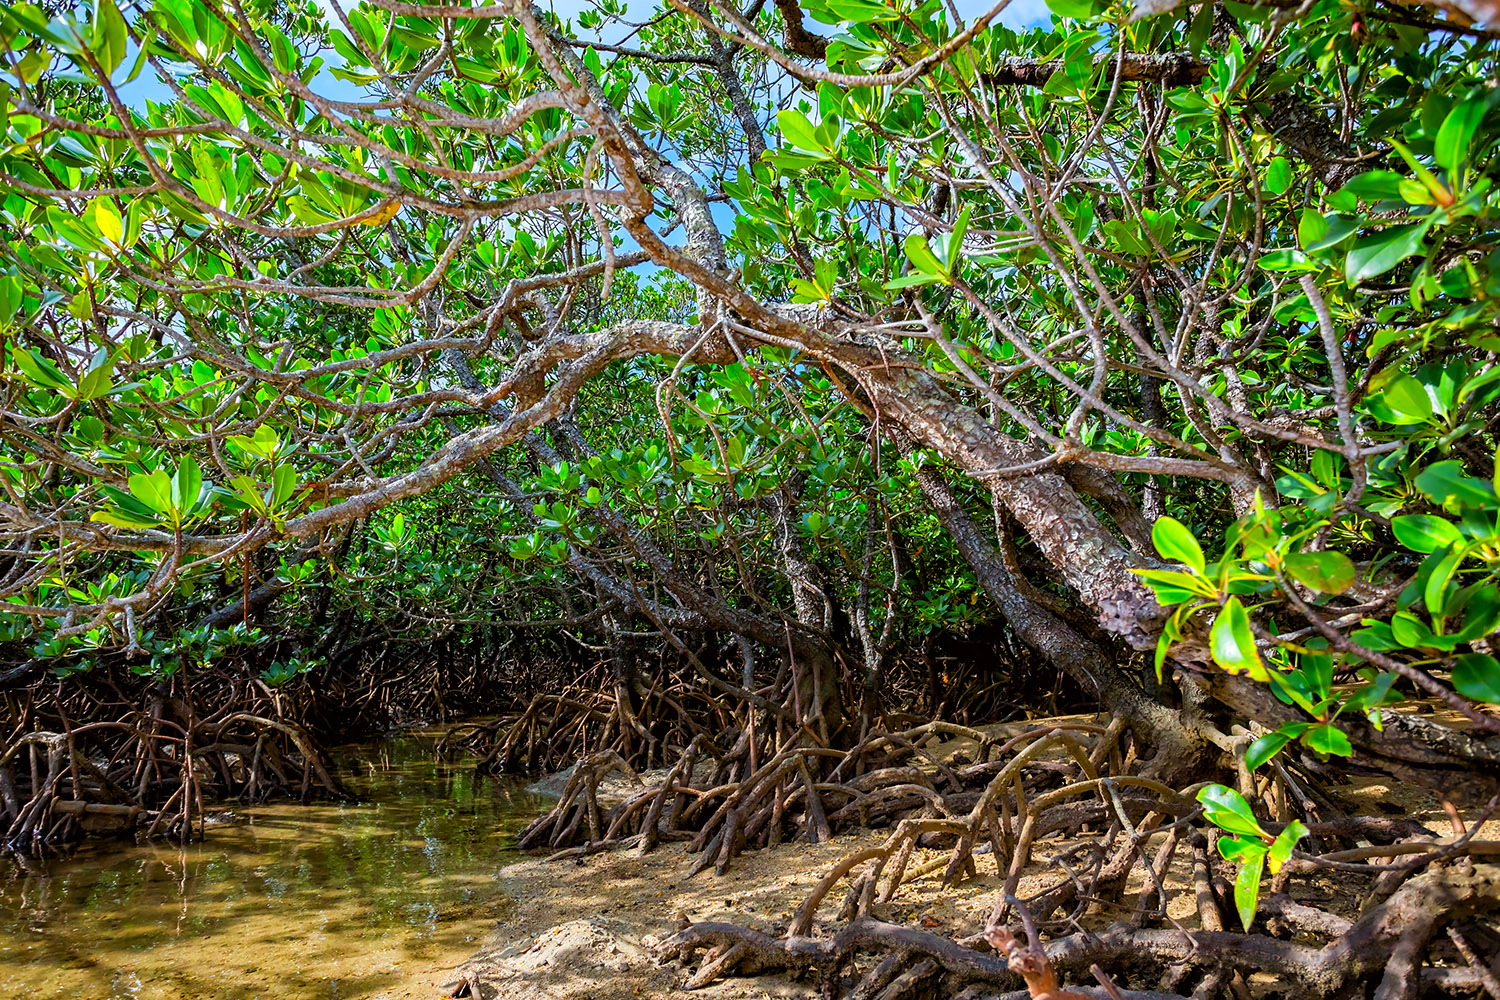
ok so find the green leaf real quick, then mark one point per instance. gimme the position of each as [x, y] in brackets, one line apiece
[1247, 886]
[1435, 592]
[1430, 190]
[1481, 609]
[1407, 397]
[154, 490]
[187, 484]
[1169, 581]
[1477, 676]
[283, 484]
[1424, 532]
[1287, 259]
[41, 372]
[1327, 739]
[1375, 185]
[1326, 572]
[73, 231]
[1264, 749]
[1227, 809]
[1335, 229]
[1127, 238]
[923, 259]
[861, 11]
[126, 511]
[1447, 483]
[122, 518]
[96, 381]
[1235, 848]
[1374, 255]
[915, 278]
[262, 444]
[1286, 840]
[108, 221]
[953, 243]
[109, 35]
[1451, 149]
[799, 131]
[1175, 542]
[1232, 642]
[249, 493]
[1078, 9]
[11, 293]
[1269, 745]
[1279, 176]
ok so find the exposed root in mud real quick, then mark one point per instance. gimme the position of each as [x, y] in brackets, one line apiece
[154, 755]
[1397, 947]
[1414, 912]
[745, 799]
[648, 718]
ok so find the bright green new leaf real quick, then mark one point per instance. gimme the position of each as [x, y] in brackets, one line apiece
[1175, 542]
[154, 490]
[1247, 885]
[1407, 397]
[108, 221]
[1451, 149]
[187, 484]
[800, 132]
[1281, 848]
[11, 293]
[923, 259]
[1071, 8]
[283, 484]
[1227, 809]
[1279, 176]
[1327, 739]
[1232, 642]
[261, 444]
[1173, 587]
[109, 32]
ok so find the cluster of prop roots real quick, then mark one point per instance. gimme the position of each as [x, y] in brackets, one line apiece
[1058, 798]
[647, 717]
[110, 755]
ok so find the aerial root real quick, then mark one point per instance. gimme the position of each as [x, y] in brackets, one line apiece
[760, 794]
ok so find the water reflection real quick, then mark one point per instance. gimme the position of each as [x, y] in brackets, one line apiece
[374, 899]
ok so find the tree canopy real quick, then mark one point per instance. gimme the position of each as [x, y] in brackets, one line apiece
[1166, 331]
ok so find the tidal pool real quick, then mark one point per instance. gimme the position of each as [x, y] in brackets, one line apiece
[376, 898]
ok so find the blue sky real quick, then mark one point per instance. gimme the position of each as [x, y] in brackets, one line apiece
[1020, 14]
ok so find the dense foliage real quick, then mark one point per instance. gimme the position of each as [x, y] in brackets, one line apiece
[415, 320]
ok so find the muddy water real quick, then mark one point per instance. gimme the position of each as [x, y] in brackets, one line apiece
[377, 898]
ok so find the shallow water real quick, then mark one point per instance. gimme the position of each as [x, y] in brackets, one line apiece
[377, 898]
